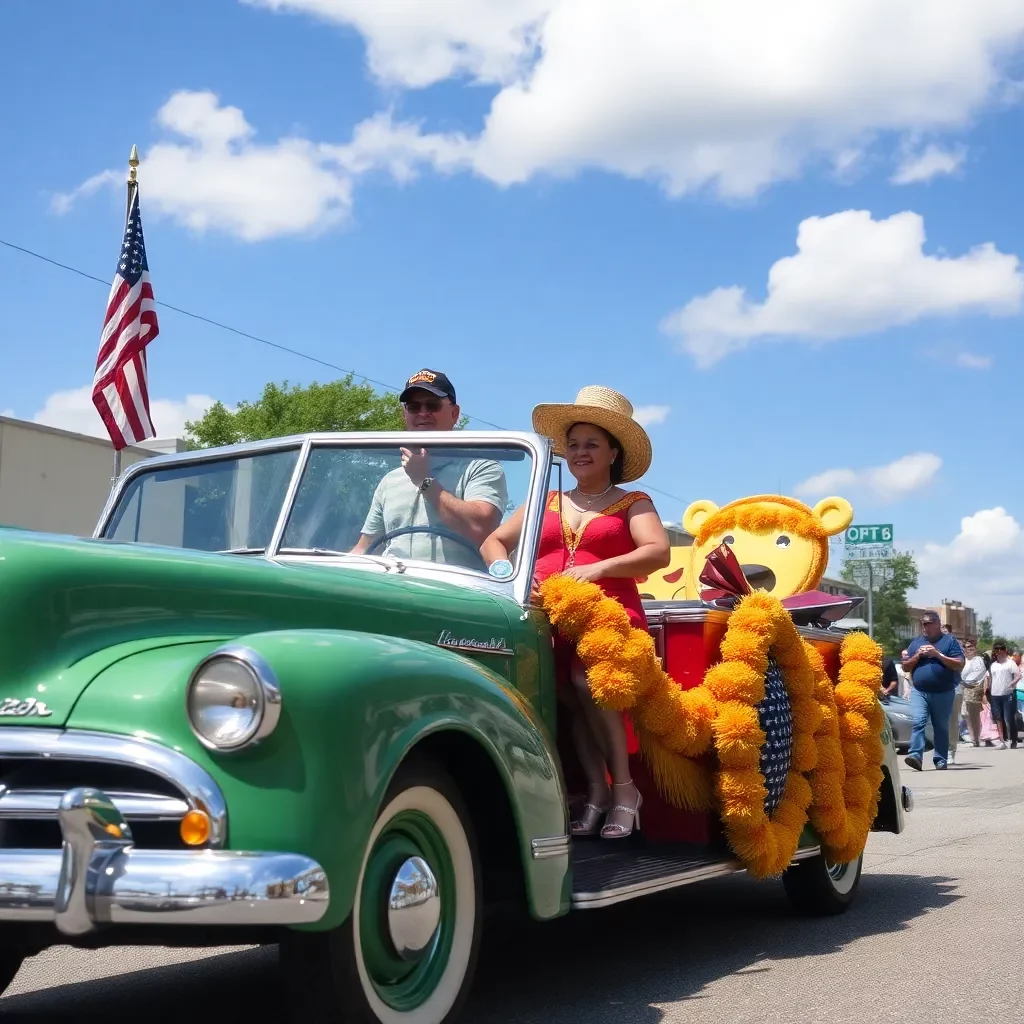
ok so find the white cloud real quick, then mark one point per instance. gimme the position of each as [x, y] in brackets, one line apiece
[732, 95]
[886, 483]
[651, 415]
[9, 413]
[62, 202]
[73, 410]
[851, 275]
[928, 164]
[379, 143]
[220, 179]
[983, 566]
[972, 361]
[418, 42]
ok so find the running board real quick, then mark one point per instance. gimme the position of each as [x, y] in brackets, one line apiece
[602, 877]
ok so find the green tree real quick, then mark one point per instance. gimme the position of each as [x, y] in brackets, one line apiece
[891, 581]
[283, 409]
[985, 635]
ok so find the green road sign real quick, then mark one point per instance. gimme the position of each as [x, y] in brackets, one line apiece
[878, 534]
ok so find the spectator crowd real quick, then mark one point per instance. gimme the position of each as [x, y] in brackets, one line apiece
[965, 693]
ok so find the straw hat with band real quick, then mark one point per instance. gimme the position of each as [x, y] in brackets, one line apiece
[608, 410]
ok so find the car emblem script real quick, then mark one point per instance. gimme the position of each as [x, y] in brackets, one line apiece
[13, 707]
[496, 644]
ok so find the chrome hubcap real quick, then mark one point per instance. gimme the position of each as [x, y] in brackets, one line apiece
[414, 909]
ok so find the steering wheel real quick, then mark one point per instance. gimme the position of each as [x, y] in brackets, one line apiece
[436, 531]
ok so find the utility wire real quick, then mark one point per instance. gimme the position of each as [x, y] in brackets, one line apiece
[254, 337]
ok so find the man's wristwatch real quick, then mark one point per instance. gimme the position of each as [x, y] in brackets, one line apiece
[428, 481]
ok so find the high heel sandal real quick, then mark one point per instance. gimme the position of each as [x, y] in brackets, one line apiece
[589, 822]
[615, 831]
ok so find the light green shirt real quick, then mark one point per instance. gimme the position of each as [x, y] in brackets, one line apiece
[398, 503]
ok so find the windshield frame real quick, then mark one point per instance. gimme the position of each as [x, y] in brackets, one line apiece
[537, 448]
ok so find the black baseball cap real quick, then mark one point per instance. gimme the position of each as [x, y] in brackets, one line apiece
[434, 381]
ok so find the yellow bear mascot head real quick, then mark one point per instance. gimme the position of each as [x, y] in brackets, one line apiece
[781, 543]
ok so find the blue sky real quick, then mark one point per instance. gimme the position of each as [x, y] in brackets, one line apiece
[535, 195]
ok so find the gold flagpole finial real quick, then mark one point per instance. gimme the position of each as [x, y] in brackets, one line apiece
[133, 162]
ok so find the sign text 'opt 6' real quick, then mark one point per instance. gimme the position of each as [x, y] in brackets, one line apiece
[868, 543]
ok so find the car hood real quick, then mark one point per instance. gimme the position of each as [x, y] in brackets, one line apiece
[71, 607]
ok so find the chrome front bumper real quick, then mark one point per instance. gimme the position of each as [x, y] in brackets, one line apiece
[98, 877]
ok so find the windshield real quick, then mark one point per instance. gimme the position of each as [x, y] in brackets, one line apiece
[362, 500]
[356, 500]
[222, 505]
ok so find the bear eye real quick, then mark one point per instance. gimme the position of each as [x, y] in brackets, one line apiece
[782, 541]
[728, 539]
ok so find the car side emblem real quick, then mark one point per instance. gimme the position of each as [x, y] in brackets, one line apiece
[496, 644]
[12, 706]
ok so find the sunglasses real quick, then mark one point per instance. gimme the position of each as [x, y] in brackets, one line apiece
[434, 405]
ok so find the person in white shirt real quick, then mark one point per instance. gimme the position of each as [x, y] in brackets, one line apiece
[1003, 698]
[973, 681]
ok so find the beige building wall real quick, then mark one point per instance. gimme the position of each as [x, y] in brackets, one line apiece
[56, 481]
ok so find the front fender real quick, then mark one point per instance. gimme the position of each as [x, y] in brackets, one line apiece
[353, 706]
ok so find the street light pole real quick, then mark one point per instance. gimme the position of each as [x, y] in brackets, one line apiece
[871, 610]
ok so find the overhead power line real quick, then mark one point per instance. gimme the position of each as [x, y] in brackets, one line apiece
[254, 337]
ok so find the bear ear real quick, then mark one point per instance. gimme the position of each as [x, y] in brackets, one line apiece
[835, 514]
[697, 514]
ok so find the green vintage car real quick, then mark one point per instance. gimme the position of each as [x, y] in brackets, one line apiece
[218, 726]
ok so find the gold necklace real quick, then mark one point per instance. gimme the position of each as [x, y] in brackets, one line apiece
[591, 497]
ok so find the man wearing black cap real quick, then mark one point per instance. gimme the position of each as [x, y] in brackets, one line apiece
[934, 660]
[465, 495]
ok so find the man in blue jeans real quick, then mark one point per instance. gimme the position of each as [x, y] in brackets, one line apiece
[933, 662]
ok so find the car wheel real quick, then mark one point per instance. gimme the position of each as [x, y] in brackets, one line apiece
[818, 889]
[407, 953]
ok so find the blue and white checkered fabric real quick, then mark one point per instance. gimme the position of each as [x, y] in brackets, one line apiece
[777, 721]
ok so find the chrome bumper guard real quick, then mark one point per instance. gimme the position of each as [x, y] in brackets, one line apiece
[99, 878]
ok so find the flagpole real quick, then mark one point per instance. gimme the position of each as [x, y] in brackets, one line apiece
[133, 163]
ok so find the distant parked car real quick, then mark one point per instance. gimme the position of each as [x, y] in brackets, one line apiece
[897, 710]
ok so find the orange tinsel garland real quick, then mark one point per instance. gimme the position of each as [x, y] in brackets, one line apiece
[758, 626]
[835, 770]
[848, 778]
[673, 725]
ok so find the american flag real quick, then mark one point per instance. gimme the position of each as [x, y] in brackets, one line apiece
[120, 388]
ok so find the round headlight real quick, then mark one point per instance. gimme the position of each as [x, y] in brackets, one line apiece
[233, 699]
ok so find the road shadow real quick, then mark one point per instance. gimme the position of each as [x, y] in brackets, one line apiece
[592, 964]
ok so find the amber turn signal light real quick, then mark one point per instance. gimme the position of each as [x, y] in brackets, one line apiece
[195, 828]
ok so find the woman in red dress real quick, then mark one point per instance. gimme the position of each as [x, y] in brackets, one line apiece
[600, 533]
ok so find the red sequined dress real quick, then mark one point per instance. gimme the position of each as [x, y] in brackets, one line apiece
[604, 535]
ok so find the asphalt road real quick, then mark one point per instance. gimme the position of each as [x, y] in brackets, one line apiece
[936, 934]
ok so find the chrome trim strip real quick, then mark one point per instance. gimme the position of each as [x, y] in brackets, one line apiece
[806, 853]
[701, 873]
[44, 803]
[819, 633]
[550, 846]
[289, 499]
[98, 878]
[195, 783]
[608, 897]
[659, 616]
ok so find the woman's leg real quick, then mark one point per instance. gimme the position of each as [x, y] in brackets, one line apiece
[609, 729]
[974, 721]
[592, 759]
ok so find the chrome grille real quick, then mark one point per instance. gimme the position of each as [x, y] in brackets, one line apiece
[151, 785]
[31, 791]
